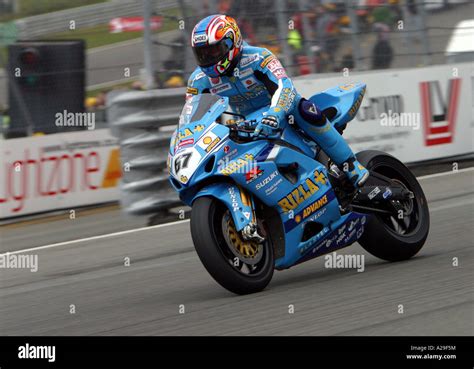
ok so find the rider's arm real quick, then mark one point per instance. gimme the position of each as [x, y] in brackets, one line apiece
[197, 84]
[279, 85]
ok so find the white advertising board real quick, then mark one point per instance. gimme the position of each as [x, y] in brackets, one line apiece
[58, 171]
[434, 107]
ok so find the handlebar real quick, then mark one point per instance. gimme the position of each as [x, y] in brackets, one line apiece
[243, 131]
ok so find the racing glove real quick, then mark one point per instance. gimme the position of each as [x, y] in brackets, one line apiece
[268, 127]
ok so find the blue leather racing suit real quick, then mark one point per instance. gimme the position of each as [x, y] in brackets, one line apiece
[259, 80]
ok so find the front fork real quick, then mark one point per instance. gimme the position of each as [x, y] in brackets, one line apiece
[250, 231]
[241, 207]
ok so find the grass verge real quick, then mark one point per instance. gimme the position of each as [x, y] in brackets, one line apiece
[100, 35]
[34, 7]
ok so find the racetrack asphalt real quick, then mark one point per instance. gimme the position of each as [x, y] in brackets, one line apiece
[165, 276]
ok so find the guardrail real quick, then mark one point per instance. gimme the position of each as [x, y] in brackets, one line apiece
[85, 16]
[144, 121]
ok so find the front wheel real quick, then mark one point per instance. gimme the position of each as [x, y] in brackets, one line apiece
[240, 266]
[398, 236]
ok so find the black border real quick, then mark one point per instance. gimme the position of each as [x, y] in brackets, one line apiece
[237, 352]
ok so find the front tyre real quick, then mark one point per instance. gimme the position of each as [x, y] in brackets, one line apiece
[392, 237]
[241, 267]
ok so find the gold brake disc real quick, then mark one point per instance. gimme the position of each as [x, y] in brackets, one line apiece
[249, 252]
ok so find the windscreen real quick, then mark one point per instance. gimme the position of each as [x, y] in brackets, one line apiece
[196, 107]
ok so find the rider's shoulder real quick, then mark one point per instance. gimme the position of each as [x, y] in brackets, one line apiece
[250, 49]
[197, 78]
[253, 55]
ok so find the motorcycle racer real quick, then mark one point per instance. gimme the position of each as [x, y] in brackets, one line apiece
[253, 78]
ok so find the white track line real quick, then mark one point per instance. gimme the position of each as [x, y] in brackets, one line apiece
[469, 202]
[446, 173]
[95, 237]
[174, 223]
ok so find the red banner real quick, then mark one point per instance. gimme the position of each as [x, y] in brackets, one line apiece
[439, 114]
[133, 24]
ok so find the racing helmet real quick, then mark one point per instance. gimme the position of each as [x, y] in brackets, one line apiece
[217, 44]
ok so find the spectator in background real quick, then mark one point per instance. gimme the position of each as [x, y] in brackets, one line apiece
[96, 102]
[295, 38]
[382, 53]
[102, 98]
[174, 65]
[91, 103]
[326, 32]
[295, 41]
[247, 12]
[396, 10]
[347, 61]
[223, 7]
[175, 81]
[138, 86]
[384, 14]
[414, 20]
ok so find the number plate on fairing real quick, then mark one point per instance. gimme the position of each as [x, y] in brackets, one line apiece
[184, 164]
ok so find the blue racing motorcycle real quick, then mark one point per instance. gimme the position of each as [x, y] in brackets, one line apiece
[265, 204]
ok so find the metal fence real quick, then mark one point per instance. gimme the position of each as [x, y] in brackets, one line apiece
[318, 36]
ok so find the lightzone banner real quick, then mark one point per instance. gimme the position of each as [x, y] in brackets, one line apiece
[58, 171]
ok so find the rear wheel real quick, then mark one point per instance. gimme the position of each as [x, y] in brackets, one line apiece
[240, 266]
[401, 234]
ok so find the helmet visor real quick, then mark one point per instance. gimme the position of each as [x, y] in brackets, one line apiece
[210, 54]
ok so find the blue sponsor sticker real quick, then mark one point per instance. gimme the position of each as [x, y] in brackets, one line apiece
[387, 193]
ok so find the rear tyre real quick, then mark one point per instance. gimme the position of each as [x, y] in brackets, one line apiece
[239, 266]
[396, 238]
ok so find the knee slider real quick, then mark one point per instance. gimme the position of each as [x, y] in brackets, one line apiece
[310, 113]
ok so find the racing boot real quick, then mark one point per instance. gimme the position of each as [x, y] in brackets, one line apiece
[315, 124]
[355, 171]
